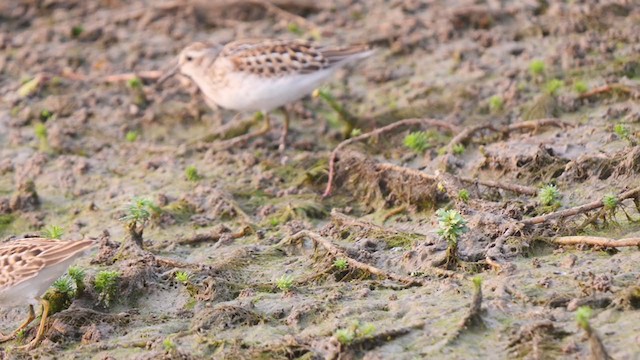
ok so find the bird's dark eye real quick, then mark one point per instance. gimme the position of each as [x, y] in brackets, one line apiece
[189, 57]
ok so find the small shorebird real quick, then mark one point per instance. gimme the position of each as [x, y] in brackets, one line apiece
[260, 74]
[27, 268]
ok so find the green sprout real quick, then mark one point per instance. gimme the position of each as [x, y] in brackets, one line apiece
[131, 136]
[135, 83]
[140, 210]
[106, 285]
[548, 195]
[496, 103]
[40, 130]
[45, 115]
[552, 86]
[477, 283]
[191, 173]
[65, 285]
[341, 264]
[183, 277]
[53, 232]
[356, 132]
[458, 149]
[76, 31]
[610, 202]
[77, 274]
[285, 283]
[451, 225]
[417, 141]
[622, 131]
[580, 87]
[294, 29]
[536, 67]
[345, 336]
[168, 345]
[463, 195]
[583, 314]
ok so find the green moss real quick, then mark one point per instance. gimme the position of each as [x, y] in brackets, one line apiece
[5, 221]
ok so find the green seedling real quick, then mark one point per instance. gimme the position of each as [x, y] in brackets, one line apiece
[191, 173]
[169, 345]
[610, 202]
[53, 232]
[417, 141]
[341, 264]
[355, 331]
[496, 103]
[294, 29]
[106, 285]
[45, 115]
[580, 87]
[549, 195]
[356, 132]
[61, 294]
[583, 315]
[183, 277]
[463, 195]
[131, 136]
[65, 285]
[285, 283]
[78, 275]
[458, 149]
[40, 130]
[623, 132]
[138, 214]
[451, 226]
[536, 67]
[552, 86]
[77, 30]
[135, 84]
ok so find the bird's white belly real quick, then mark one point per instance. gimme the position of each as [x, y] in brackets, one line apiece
[252, 93]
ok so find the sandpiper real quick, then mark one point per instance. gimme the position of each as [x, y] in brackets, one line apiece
[261, 74]
[27, 268]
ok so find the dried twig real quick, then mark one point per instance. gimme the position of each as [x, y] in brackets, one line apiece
[377, 132]
[633, 193]
[595, 241]
[338, 253]
[145, 75]
[608, 88]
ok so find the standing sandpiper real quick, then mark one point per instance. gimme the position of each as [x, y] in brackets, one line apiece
[27, 268]
[260, 74]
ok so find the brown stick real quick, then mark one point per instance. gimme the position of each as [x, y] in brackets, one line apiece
[596, 241]
[633, 193]
[376, 132]
[146, 75]
[605, 89]
[336, 252]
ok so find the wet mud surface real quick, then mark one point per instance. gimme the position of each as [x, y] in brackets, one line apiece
[513, 96]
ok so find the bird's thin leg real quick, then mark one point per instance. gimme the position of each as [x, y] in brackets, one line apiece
[227, 144]
[285, 130]
[43, 322]
[22, 326]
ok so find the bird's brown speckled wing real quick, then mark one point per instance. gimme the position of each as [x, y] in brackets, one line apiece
[21, 260]
[281, 57]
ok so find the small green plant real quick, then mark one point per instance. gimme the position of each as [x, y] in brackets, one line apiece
[53, 232]
[77, 30]
[355, 331]
[622, 131]
[417, 141]
[294, 29]
[40, 130]
[549, 195]
[131, 136]
[169, 345]
[458, 149]
[45, 115]
[477, 282]
[356, 132]
[135, 83]
[552, 86]
[536, 67]
[463, 195]
[610, 202]
[65, 285]
[285, 283]
[580, 87]
[496, 103]
[191, 173]
[106, 285]
[341, 264]
[61, 294]
[183, 277]
[140, 210]
[583, 315]
[78, 275]
[451, 225]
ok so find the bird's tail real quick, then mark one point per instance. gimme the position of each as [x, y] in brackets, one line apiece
[347, 53]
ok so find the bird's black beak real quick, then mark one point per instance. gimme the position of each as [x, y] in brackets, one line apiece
[172, 71]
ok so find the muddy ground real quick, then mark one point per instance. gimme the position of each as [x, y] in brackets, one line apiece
[80, 140]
